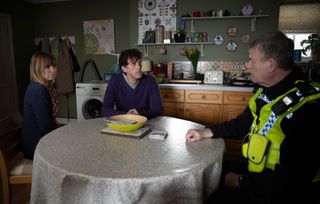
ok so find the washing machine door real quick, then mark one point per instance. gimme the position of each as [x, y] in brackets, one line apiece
[92, 108]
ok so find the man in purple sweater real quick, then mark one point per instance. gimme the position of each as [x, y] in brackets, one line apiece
[132, 92]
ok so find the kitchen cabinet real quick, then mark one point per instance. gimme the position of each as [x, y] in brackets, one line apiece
[173, 102]
[173, 109]
[234, 103]
[204, 107]
[207, 107]
[200, 105]
[206, 114]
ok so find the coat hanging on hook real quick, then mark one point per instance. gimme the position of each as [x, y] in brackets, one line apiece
[75, 63]
[64, 79]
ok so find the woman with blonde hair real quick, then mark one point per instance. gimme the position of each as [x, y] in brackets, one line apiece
[39, 102]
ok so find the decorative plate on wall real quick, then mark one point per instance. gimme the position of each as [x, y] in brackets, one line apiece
[232, 31]
[247, 10]
[150, 4]
[245, 38]
[231, 46]
[218, 39]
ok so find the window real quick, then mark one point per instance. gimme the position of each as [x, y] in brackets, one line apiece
[297, 38]
[298, 21]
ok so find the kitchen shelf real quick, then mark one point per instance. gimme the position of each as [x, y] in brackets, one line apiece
[252, 17]
[202, 44]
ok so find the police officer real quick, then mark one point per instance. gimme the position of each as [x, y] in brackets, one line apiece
[281, 141]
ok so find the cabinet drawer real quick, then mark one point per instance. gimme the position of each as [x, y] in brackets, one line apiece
[172, 95]
[233, 97]
[202, 96]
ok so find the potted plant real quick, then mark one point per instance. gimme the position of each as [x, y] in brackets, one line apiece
[313, 44]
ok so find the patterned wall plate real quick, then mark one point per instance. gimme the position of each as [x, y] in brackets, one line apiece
[245, 38]
[247, 10]
[232, 31]
[231, 46]
[150, 4]
[218, 39]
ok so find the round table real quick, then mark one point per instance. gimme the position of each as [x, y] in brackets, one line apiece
[78, 164]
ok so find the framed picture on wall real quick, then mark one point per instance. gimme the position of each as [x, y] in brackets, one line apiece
[98, 37]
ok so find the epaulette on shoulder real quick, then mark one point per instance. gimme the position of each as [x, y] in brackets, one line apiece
[304, 89]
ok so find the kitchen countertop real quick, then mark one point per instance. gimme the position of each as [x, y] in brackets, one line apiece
[207, 87]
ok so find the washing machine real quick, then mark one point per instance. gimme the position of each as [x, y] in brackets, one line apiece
[89, 96]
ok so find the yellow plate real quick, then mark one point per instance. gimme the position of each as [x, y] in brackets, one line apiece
[141, 120]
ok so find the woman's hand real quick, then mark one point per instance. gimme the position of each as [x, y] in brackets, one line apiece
[196, 135]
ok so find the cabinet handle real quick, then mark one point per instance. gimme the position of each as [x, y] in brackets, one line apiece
[204, 97]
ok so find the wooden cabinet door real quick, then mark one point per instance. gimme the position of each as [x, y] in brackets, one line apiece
[232, 111]
[234, 103]
[172, 95]
[173, 109]
[206, 114]
[173, 102]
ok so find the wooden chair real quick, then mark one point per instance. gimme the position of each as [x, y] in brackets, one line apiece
[13, 168]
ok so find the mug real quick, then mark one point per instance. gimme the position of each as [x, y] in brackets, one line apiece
[196, 37]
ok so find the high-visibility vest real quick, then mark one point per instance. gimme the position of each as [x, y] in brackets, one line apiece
[262, 145]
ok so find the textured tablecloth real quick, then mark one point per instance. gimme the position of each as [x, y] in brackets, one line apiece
[77, 164]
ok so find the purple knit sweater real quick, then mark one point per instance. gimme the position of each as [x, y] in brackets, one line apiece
[120, 97]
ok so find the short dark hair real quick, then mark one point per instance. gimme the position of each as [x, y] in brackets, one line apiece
[278, 46]
[133, 54]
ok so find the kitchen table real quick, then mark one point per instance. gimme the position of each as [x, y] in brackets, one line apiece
[78, 164]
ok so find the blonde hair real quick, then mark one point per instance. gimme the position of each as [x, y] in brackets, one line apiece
[40, 61]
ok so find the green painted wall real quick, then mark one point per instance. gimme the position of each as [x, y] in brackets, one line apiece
[66, 18]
